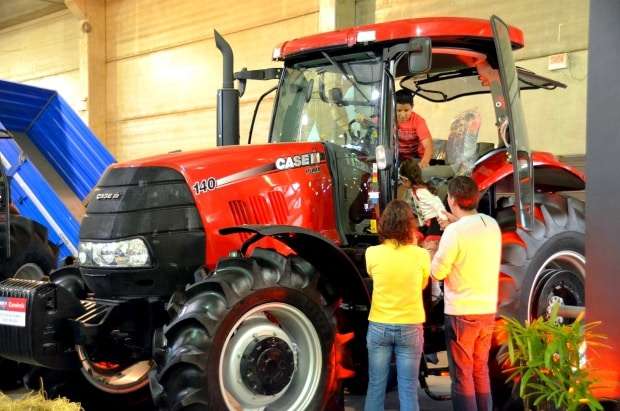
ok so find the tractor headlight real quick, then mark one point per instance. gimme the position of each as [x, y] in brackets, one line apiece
[126, 253]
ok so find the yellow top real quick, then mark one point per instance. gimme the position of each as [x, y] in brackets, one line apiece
[399, 273]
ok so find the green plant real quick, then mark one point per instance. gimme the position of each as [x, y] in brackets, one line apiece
[547, 361]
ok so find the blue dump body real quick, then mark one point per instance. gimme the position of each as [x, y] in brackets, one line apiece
[67, 154]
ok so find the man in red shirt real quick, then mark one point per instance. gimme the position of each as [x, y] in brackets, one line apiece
[414, 139]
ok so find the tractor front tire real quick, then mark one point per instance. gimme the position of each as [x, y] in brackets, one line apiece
[539, 267]
[257, 333]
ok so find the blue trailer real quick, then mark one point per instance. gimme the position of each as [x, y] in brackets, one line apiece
[53, 160]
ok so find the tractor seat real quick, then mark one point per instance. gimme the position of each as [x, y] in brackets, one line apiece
[459, 152]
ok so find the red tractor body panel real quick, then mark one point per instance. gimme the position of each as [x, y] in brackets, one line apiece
[287, 184]
[450, 29]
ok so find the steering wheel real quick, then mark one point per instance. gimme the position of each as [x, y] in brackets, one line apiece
[356, 137]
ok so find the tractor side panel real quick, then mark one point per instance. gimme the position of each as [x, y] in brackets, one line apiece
[274, 185]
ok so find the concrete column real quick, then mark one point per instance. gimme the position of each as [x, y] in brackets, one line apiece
[91, 14]
[336, 14]
[603, 193]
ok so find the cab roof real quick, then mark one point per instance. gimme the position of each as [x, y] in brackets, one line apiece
[448, 31]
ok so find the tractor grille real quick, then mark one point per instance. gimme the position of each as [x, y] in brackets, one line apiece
[155, 204]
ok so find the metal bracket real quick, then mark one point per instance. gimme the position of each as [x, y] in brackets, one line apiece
[244, 75]
[15, 167]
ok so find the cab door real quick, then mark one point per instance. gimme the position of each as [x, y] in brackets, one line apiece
[514, 126]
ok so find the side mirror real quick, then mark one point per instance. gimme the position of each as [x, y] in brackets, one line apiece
[420, 55]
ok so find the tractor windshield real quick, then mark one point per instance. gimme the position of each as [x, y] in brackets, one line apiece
[333, 99]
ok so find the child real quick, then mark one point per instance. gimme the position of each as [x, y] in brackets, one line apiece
[414, 139]
[428, 208]
[426, 205]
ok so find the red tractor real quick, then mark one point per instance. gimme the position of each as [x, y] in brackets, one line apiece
[234, 277]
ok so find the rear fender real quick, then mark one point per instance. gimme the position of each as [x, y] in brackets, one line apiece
[319, 251]
[550, 174]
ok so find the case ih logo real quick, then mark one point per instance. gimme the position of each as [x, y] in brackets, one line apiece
[108, 196]
[302, 160]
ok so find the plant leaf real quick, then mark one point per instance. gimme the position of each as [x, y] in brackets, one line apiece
[524, 380]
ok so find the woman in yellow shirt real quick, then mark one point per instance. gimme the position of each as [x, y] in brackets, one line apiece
[400, 271]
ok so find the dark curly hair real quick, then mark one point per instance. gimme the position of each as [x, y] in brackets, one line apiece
[398, 223]
[410, 169]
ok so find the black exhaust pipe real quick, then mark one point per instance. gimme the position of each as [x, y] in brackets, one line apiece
[227, 98]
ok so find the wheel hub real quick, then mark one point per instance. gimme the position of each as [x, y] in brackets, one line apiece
[557, 286]
[271, 358]
[267, 366]
[562, 275]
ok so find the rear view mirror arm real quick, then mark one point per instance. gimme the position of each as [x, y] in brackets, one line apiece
[244, 75]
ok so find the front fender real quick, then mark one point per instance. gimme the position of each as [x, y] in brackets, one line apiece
[322, 253]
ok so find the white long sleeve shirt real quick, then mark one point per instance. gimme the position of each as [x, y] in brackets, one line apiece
[430, 205]
[468, 259]
[426, 204]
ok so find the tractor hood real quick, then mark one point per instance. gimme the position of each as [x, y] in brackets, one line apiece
[272, 184]
[222, 166]
[177, 203]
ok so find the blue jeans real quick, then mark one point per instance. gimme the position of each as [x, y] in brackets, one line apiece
[468, 339]
[406, 341]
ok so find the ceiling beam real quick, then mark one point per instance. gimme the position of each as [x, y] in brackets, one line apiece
[17, 12]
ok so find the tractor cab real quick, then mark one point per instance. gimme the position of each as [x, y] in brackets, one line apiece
[343, 96]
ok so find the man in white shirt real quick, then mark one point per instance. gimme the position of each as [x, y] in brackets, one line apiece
[468, 260]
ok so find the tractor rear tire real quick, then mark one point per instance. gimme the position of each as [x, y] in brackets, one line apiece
[31, 255]
[259, 332]
[539, 267]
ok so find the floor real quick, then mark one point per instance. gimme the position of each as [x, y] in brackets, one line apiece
[438, 385]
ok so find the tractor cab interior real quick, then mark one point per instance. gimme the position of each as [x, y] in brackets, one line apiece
[461, 74]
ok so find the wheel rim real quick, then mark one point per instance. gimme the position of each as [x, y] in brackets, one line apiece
[278, 332]
[566, 291]
[112, 378]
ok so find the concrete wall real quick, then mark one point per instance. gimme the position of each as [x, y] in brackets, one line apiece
[164, 69]
[44, 53]
[556, 119]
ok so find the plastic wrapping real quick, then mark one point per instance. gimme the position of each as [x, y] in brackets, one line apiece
[462, 145]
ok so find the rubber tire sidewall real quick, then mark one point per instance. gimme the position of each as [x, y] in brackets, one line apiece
[566, 241]
[27, 246]
[311, 309]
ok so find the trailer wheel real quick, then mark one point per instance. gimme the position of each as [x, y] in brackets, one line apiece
[258, 333]
[539, 268]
